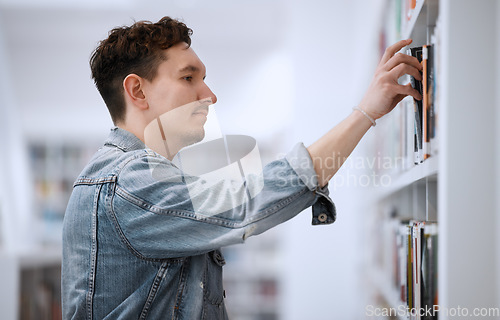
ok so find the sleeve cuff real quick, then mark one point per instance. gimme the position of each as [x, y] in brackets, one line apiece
[323, 209]
[300, 161]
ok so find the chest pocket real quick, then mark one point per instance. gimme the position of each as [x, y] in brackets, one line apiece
[214, 294]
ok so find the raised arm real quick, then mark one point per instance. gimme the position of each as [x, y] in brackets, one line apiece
[384, 93]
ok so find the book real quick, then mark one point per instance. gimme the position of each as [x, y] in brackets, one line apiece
[428, 285]
[403, 261]
[415, 271]
[417, 274]
[410, 133]
[418, 108]
[410, 8]
[435, 73]
[409, 268]
[425, 103]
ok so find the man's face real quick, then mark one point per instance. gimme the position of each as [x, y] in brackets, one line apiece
[180, 82]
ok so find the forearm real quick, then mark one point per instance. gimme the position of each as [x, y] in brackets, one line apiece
[330, 151]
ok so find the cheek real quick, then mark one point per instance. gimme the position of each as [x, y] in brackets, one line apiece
[176, 96]
[168, 95]
[161, 100]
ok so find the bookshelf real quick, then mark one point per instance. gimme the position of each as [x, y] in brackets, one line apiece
[31, 284]
[32, 272]
[456, 189]
[55, 164]
[252, 278]
[36, 174]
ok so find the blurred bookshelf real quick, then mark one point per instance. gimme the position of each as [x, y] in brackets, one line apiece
[428, 226]
[31, 284]
[40, 292]
[33, 289]
[252, 278]
[55, 166]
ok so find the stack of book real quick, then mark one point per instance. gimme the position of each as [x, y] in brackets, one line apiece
[425, 110]
[415, 259]
[40, 295]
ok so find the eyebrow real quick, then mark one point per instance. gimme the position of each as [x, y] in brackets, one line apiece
[189, 68]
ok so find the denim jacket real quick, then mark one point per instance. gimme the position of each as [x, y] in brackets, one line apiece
[134, 247]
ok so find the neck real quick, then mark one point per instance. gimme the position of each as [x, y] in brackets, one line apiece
[136, 130]
[156, 140]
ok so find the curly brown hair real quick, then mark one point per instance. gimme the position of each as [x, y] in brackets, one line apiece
[137, 49]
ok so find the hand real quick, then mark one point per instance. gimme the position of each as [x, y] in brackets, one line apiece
[384, 92]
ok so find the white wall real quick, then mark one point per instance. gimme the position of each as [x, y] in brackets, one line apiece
[334, 46]
[50, 44]
[498, 149]
[15, 189]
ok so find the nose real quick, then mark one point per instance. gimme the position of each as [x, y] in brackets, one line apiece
[208, 93]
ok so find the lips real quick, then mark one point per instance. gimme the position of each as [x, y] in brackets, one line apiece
[202, 108]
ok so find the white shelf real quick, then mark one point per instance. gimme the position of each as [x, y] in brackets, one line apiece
[380, 280]
[460, 182]
[428, 169]
[410, 26]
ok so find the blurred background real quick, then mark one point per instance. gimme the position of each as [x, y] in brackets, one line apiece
[284, 71]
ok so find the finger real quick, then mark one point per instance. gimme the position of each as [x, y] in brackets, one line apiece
[408, 90]
[398, 99]
[402, 58]
[403, 69]
[391, 51]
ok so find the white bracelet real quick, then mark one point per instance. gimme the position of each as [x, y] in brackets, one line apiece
[366, 115]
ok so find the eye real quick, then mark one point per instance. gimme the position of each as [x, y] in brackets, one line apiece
[188, 78]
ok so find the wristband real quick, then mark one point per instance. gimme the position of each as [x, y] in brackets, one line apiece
[366, 115]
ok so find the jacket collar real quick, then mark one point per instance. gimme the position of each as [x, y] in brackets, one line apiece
[124, 140]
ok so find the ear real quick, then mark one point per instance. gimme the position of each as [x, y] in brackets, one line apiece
[133, 89]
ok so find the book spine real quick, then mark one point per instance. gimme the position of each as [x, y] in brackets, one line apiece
[409, 271]
[418, 149]
[425, 103]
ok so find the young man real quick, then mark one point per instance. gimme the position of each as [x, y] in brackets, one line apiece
[138, 242]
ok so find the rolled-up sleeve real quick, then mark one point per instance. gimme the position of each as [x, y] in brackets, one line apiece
[152, 206]
[323, 209]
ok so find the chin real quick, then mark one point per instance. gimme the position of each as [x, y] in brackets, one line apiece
[194, 137]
